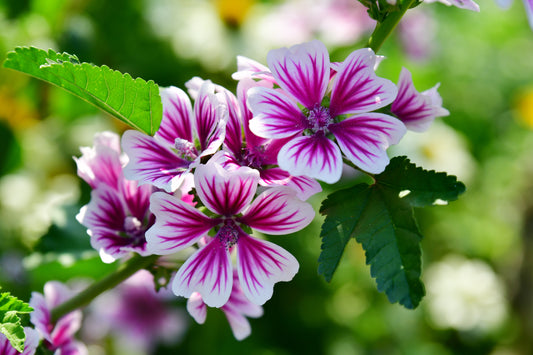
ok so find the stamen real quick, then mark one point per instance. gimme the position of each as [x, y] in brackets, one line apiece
[228, 234]
[186, 149]
[319, 119]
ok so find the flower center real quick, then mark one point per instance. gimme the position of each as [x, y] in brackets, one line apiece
[185, 149]
[134, 230]
[318, 119]
[228, 234]
[253, 157]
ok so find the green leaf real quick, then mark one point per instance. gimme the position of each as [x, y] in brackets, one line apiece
[381, 218]
[418, 186]
[133, 101]
[10, 325]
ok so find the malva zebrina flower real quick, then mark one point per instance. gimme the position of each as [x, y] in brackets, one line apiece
[118, 213]
[229, 197]
[327, 117]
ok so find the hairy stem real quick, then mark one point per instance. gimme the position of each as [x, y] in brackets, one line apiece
[123, 272]
[385, 28]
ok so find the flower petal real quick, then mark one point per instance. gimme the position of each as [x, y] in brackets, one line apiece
[101, 163]
[357, 88]
[275, 115]
[416, 110]
[240, 326]
[233, 139]
[197, 308]
[365, 138]
[105, 210]
[304, 186]
[209, 117]
[177, 114]
[209, 272]
[137, 198]
[278, 211]
[248, 68]
[260, 264]
[314, 156]
[302, 70]
[151, 162]
[225, 192]
[178, 225]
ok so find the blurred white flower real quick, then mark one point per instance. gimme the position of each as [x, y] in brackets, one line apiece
[465, 295]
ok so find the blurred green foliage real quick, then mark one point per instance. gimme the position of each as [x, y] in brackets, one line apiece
[485, 66]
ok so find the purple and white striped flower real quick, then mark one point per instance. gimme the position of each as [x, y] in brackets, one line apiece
[137, 315]
[229, 195]
[30, 344]
[168, 157]
[118, 213]
[417, 110]
[257, 152]
[58, 336]
[236, 310]
[303, 72]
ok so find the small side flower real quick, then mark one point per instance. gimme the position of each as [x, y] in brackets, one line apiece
[417, 110]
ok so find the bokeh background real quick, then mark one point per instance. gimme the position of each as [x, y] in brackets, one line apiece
[477, 251]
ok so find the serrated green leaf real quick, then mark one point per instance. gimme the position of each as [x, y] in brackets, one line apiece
[10, 324]
[389, 235]
[381, 218]
[418, 186]
[133, 101]
[343, 211]
[385, 226]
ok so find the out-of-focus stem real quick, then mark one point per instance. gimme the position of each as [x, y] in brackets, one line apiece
[123, 272]
[385, 28]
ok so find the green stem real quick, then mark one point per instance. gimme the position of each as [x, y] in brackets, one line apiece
[385, 28]
[83, 298]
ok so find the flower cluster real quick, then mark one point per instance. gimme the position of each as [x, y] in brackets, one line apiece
[224, 170]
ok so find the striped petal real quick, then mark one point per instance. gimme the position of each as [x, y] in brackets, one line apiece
[357, 88]
[197, 308]
[101, 163]
[278, 211]
[275, 115]
[105, 210]
[364, 139]
[208, 272]
[260, 264]
[304, 186]
[208, 117]
[302, 70]
[152, 162]
[177, 114]
[314, 156]
[225, 192]
[178, 225]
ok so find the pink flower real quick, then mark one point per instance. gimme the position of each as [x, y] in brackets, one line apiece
[139, 316]
[58, 336]
[257, 152]
[118, 213]
[30, 344]
[229, 195]
[416, 110]
[236, 310]
[303, 72]
[166, 159]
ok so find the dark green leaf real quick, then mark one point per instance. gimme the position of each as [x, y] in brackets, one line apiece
[343, 210]
[133, 101]
[381, 218]
[10, 324]
[418, 186]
